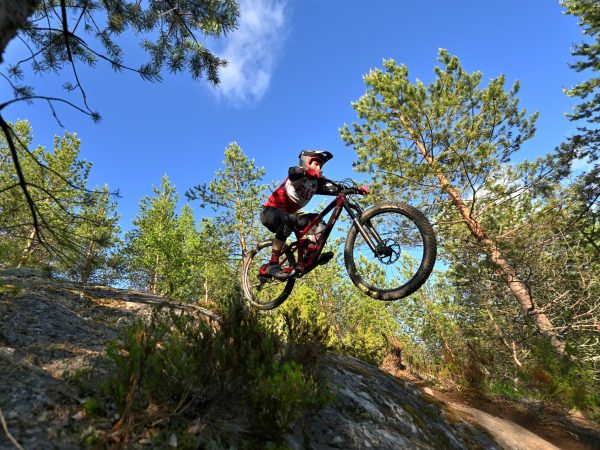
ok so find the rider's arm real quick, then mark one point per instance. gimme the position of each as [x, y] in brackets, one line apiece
[295, 173]
[327, 187]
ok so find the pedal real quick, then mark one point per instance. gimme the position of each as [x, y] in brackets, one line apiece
[324, 258]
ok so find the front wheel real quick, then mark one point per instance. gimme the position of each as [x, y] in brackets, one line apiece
[264, 292]
[403, 255]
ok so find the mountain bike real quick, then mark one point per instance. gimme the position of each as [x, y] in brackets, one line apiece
[389, 253]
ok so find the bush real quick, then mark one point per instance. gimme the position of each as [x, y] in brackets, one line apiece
[185, 366]
[564, 380]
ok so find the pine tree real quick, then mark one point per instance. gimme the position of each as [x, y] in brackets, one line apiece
[169, 254]
[584, 145]
[153, 245]
[57, 183]
[236, 193]
[65, 34]
[100, 229]
[441, 144]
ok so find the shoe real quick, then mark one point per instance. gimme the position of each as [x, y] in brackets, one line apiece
[324, 258]
[274, 270]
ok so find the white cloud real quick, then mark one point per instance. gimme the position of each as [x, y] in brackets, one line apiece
[252, 50]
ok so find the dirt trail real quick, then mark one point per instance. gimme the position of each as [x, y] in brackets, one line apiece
[519, 425]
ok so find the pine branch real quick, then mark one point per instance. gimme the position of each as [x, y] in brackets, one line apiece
[8, 133]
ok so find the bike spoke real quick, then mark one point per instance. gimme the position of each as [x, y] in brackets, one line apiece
[401, 247]
[262, 291]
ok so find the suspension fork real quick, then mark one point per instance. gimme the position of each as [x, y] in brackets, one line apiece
[368, 232]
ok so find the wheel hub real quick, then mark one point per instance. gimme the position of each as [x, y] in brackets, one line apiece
[389, 252]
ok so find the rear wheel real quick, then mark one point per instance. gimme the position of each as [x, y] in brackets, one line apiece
[405, 253]
[265, 292]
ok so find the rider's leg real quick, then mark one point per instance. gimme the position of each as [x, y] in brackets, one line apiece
[303, 220]
[276, 250]
[281, 223]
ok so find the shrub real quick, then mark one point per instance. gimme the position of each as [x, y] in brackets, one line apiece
[185, 366]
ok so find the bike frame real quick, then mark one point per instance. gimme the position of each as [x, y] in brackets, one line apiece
[340, 202]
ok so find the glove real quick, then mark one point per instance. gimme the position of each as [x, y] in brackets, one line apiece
[312, 173]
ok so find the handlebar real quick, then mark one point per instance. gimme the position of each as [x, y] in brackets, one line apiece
[348, 186]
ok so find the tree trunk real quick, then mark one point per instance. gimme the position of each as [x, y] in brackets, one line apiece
[238, 207]
[513, 347]
[155, 277]
[503, 267]
[440, 329]
[86, 270]
[13, 14]
[28, 249]
[205, 283]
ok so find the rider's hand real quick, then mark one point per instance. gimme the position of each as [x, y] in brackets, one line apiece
[312, 173]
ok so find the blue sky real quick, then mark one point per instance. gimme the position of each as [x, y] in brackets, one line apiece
[294, 69]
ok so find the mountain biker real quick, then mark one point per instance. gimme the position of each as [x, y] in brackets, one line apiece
[281, 213]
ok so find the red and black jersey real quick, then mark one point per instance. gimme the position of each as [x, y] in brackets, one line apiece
[297, 190]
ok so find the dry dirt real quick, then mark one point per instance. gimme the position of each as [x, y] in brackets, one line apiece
[560, 427]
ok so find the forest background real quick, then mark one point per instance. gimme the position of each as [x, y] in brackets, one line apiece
[513, 307]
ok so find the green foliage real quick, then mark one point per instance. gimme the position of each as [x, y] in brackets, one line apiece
[77, 226]
[358, 325]
[507, 389]
[93, 407]
[9, 289]
[283, 393]
[169, 32]
[588, 54]
[584, 144]
[560, 380]
[236, 193]
[152, 244]
[96, 262]
[410, 133]
[169, 254]
[185, 366]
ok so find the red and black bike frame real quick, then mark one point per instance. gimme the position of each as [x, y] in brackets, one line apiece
[307, 260]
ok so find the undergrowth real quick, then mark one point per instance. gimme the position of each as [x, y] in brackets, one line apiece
[238, 382]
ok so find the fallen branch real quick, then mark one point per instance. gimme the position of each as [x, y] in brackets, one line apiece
[8, 435]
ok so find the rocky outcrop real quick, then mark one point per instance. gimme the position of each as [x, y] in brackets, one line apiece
[53, 331]
[372, 409]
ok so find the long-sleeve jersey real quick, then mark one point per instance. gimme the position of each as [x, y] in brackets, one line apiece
[297, 190]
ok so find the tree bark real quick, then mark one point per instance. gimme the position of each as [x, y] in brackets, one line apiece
[86, 270]
[511, 347]
[238, 205]
[155, 276]
[205, 283]
[503, 267]
[13, 14]
[29, 248]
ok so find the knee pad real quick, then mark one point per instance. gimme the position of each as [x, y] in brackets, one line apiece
[283, 232]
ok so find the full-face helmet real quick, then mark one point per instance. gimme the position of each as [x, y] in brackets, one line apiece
[306, 157]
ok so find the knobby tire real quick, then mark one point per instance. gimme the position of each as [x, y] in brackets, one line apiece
[425, 234]
[250, 277]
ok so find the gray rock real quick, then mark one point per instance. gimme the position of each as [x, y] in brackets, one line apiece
[22, 272]
[372, 409]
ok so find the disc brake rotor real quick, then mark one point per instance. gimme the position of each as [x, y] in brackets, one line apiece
[389, 253]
